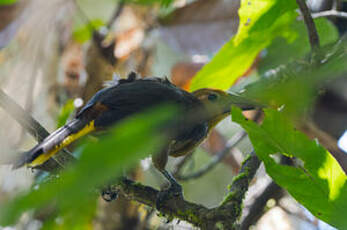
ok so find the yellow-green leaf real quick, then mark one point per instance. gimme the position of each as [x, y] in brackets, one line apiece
[319, 184]
[260, 22]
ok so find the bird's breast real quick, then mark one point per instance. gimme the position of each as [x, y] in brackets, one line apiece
[189, 140]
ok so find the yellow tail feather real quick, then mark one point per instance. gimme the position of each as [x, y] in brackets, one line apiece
[42, 158]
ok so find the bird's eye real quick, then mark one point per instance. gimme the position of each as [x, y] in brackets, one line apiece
[212, 97]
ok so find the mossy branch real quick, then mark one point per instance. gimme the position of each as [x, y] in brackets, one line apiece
[224, 216]
[239, 186]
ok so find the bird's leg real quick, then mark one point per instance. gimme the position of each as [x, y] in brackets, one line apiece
[174, 191]
[174, 185]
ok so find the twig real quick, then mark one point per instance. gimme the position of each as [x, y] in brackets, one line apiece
[257, 209]
[115, 14]
[271, 191]
[83, 16]
[336, 5]
[330, 13]
[216, 158]
[35, 129]
[311, 28]
[179, 166]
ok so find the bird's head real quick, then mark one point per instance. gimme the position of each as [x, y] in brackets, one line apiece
[218, 103]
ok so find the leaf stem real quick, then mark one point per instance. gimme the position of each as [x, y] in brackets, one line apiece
[311, 28]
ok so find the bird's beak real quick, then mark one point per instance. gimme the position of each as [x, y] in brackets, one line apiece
[244, 103]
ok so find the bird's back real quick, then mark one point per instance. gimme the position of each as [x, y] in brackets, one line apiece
[128, 98]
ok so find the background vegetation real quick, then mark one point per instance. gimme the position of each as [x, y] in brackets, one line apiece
[289, 55]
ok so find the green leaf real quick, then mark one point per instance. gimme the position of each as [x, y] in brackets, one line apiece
[83, 33]
[7, 2]
[101, 162]
[282, 52]
[260, 22]
[320, 184]
[65, 112]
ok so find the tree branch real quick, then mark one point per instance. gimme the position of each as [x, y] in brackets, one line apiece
[35, 129]
[271, 191]
[311, 28]
[224, 215]
[116, 13]
[257, 209]
[240, 184]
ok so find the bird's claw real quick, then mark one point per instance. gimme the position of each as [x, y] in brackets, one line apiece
[173, 192]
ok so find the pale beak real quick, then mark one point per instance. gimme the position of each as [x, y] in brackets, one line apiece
[241, 102]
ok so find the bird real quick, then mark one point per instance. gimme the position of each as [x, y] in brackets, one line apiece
[133, 95]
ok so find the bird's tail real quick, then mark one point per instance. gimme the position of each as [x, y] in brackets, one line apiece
[59, 139]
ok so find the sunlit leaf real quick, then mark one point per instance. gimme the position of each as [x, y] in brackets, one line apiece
[129, 141]
[319, 184]
[260, 23]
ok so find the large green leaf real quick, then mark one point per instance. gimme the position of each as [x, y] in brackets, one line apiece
[319, 184]
[100, 162]
[260, 22]
[282, 52]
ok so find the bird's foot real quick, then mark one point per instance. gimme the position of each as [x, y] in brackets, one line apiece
[173, 192]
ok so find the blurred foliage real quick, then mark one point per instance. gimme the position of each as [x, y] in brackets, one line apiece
[65, 112]
[296, 84]
[92, 17]
[75, 189]
[7, 2]
[286, 79]
[84, 33]
[319, 183]
[281, 52]
[260, 23]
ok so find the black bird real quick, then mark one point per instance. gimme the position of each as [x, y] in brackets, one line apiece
[131, 96]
